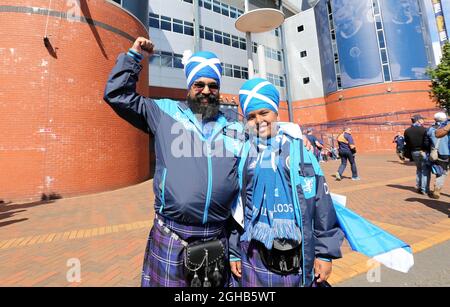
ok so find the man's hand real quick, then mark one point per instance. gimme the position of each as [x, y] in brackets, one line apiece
[441, 132]
[236, 268]
[322, 269]
[143, 46]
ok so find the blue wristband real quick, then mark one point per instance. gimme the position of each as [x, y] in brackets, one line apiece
[324, 259]
[233, 259]
[135, 55]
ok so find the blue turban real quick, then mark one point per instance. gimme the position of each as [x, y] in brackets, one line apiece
[202, 64]
[258, 93]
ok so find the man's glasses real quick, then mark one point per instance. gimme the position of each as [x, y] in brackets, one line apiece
[201, 85]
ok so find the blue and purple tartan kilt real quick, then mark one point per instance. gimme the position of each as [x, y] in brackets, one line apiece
[255, 274]
[163, 260]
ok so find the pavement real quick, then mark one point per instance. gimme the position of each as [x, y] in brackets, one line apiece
[431, 269]
[99, 239]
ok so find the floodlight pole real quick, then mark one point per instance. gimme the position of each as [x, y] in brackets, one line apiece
[197, 40]
[248, 41]
[286, 68]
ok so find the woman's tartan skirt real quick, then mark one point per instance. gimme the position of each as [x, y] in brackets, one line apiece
[255, 274]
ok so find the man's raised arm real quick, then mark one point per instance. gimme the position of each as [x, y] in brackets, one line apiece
[120, 92]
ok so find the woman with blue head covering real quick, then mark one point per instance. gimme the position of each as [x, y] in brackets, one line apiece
[285, 234]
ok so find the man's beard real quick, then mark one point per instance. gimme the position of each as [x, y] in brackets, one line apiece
[206, 111]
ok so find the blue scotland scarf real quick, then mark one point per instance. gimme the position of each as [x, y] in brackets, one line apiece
[273, 215]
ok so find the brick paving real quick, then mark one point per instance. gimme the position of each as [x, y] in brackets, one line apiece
[107, 232]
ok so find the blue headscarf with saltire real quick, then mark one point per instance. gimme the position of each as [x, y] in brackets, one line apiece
[202, 64]
[258, 93]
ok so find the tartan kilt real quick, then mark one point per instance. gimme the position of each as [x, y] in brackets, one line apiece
[163, 260]
[255, 274]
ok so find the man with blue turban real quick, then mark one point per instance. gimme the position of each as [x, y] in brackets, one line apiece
[195, 181]
[281, 234]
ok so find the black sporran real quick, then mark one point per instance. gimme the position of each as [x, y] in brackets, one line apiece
[284, 258]
[204, 264]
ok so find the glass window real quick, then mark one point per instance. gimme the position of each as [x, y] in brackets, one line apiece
[202, 32]
[384, 59]
[225, 9]
[337, 68]
[237, 71]
[155, 59]
[240, 12]
[177, 26]
[226, 39]
[276, 81]
[244, 73]
[387, 76]
[154, 21]
[209, 34]
[277, 32]
[267, 52]
[376, 9]
[242, 44]
[228, 70]
[279, 58]
[166, 59]
[189, 28]
[255, 48]
[306, 80]
[233, 12]
[282, 81]
[274, 55]
[166, 23]
[216, 6]
[207, 4]
[189, 1]
[234, 41]
[218, 37]
[177, 61]
[381, 39]
[378, 22]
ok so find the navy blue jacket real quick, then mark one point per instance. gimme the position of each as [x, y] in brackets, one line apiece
[195, 180]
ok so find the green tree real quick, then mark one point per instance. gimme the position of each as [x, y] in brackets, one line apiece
[440, 80]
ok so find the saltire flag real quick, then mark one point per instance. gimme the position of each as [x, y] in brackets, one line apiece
[372, 241]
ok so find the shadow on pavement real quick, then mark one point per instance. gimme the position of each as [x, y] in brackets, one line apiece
[402, 163]
[402, 187]
[12, 222]
[441, 206]
[8, 210]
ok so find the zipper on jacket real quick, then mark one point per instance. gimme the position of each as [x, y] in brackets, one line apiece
[163, 183]
[209, 191]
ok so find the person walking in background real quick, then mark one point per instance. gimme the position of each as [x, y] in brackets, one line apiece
[399, 140]
[440, 158]
[314, 142]
[416, 144]
[347, 151]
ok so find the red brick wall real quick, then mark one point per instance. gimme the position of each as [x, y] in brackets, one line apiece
[58, 135]
[375, 113]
